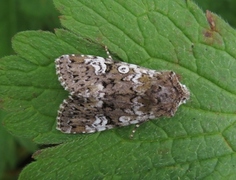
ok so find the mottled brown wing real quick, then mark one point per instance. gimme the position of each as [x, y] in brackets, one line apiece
[106, 93]
[78, 115]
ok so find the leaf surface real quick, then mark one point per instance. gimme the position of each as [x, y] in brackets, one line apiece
[198, 142]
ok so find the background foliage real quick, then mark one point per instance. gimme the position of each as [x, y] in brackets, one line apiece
[16, 16]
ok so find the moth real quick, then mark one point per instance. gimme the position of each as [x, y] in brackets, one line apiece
[105, 94]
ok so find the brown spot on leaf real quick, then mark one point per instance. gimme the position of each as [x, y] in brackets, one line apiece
[211, 20]
[208, 34]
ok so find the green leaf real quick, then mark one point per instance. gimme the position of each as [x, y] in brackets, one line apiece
[6, 143]
[20, 15]
[11, 151]
[17, 16]
[198, 142]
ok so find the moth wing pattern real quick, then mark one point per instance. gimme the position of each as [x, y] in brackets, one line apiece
[79, 74]
[105, 94]
[77, 115]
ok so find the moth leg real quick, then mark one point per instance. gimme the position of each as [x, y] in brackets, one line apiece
[135, 128]
[108, 53]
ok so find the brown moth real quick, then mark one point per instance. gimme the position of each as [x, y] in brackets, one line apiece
[105, 93]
